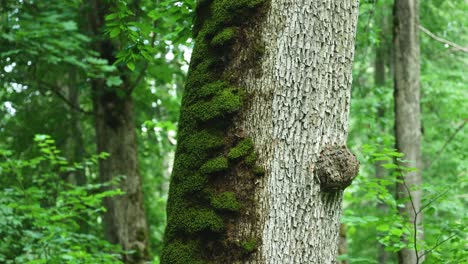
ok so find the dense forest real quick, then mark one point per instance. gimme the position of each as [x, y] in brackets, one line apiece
[221, 131]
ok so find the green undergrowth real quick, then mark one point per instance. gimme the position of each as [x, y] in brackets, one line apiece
[197, 209]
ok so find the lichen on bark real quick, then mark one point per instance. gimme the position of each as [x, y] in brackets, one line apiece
[200, 205]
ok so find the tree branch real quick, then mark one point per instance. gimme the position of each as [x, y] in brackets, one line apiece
[439, 153]
[415, 220]
[57, 93]
[145, 67]
[433, 200]
[438, 244]
[439, 39]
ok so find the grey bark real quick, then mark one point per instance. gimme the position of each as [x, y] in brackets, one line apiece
[299, 106]
[407, 114]
[125, 220]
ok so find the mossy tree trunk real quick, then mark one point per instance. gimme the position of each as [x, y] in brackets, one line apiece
[261, 161]
[124, 220]
[407, 116]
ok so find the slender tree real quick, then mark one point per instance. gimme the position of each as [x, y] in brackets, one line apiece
[380, 62]
[407, 118]
[261, 161]
[125, 219]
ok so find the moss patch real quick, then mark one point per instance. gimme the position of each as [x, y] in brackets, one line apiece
[249, 246]
[225, 37]
[226, 201]
[259, 171]
[215, 165]
[199, 209]
[242, 149]
[179, 252]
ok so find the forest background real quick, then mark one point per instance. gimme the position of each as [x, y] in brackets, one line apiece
[47, 134]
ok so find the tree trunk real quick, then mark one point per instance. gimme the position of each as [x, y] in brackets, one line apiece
[407, 114]
[125, 219]
[74, 143]
[261, 164]
[379, 81]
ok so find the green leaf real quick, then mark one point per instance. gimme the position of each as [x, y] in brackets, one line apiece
[113, 81]
[114, 32]
[131, 66]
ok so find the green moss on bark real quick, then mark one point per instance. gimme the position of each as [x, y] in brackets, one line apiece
[249, 246]
[225, 37]
[226, 201]
[215, 165]
[198, 209]
[244, 148]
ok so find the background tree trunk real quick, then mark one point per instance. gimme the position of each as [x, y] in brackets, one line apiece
[296, 113]
[381, 55]
[74, 143]
[407, 113]
[125, 219]
[342, 243]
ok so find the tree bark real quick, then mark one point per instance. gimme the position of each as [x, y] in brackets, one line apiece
[124, 220]
[74, 143]
[407, 115]
[295, 112]
[381, 53]
[301, 107]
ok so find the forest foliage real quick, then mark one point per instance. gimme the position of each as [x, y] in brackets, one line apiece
[46, 49]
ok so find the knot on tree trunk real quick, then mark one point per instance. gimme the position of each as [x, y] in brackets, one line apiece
[336, 168]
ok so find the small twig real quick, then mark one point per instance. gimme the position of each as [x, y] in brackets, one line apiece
[439, 39]
[438, 244]
[145, 67]
[55, 90]
[415, 226]
[433, 200]
[439, 153]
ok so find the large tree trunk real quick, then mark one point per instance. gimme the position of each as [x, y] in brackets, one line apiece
[262, 182]
[124, 220]
[407, 114]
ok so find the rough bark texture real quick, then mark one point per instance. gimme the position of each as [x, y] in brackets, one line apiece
[295, 104]
[407, 111]
[125, 220]
[299, 107]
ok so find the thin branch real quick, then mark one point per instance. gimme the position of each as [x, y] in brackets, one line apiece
[415, 220]
[438, 244]
[433, 200]
[55, 90]
[145, 67]
[459, 128]
[439, 39]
